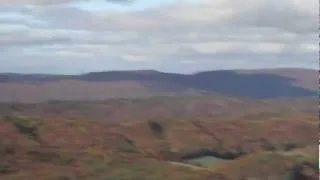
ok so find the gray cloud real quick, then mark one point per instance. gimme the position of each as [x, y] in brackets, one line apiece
[54, 2]
[203, 35]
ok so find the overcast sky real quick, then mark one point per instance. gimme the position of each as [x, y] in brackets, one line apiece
[65, 36]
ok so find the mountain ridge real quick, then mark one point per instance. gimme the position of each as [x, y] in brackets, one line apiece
[259, 83]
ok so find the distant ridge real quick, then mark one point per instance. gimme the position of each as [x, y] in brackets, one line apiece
[258, 83]
[305, 78]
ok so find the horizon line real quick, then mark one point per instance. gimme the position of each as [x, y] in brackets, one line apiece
[159, 71]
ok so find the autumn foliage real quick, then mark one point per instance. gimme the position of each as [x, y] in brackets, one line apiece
[122, 139]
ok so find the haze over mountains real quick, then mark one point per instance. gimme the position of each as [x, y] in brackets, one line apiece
[260, 83]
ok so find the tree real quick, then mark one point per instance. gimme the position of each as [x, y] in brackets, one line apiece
[156, 128]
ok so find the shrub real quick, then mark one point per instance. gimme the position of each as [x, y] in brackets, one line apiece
[4, 168]
[25, 125]
[126, 145]
[156, 128]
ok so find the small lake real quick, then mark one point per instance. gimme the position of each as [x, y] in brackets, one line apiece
[206, 161]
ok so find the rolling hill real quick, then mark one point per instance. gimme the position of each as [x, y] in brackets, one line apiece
[218, 125]
[173, 138]
[262, 83]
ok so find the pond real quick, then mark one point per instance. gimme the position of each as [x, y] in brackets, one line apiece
[206, 161]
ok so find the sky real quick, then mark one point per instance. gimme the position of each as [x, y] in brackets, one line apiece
[183, 36]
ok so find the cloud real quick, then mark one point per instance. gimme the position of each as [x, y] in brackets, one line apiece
[186, 36]
[55, 2]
